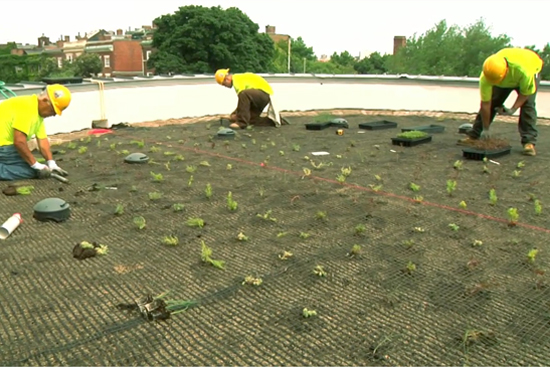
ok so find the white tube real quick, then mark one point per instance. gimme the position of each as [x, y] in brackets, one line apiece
[10, 225]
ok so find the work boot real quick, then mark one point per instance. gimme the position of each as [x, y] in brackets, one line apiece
[466, 141]
[529, 149]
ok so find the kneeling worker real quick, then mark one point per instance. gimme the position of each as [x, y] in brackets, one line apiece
[22, 117]
[508, 70]
[254, 94]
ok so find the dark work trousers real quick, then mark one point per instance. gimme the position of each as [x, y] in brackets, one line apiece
[13, 166]
[252, 103]
[527, 125]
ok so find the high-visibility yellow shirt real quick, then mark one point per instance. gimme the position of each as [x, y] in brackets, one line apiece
[523, 65]
[21, 113]
[250, 81]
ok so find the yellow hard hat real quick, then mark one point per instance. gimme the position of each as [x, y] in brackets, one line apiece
[221, 74]
[495, 68]
[60, 97]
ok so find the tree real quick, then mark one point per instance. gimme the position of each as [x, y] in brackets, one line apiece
[373, 64]
[198, 39]
[87, 65]
[445, 50]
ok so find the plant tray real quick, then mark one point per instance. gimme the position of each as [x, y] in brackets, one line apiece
[378, 125]
[478, 154]
[318, 125]
[411, 142]
[426, 128]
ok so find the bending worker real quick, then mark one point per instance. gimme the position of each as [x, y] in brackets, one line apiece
[254, 94]
[22, 117]
[509, 69]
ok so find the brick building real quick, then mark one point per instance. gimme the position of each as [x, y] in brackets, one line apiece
[270, 30]
[398, 42]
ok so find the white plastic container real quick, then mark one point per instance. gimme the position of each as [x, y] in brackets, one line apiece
[10, 225]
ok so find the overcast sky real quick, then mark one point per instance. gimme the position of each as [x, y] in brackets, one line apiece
[326, 25]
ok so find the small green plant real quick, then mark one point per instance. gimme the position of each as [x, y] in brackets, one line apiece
[462, 205]
[281, 153]
[516, 173]
[133, 188]
[190, 181]
[178, 207]
[538, 207]
[286, 255]
[477, 243]
[140, 222]
[157, 177]
[71, 145]
[532, 255]
[267, 216]
[355, 251]
[190, 169]
[409, 243]
[458, 165]
[513, 216]
[308, 313]
[418, 199]
[206, 256]
[250, 280]
[119, 209]
[168, 154]
[281, 234]
[451, 187]
[319, 271]
[410, 268]
[138, 143]
[112, 146]
[454, 227]
[304, 235]
[296, 147]
[195, 222]
[520, 165]
[171, 241]
[360, 229]
[493, 197]
[229, 167]
[204, 164]
[242, 237]
[414, 187]
[321, 215]
[208, 191]
[414, 134]
[155, 195]
[346, 171]
[231, 204]
[179, 158]
[154, 149]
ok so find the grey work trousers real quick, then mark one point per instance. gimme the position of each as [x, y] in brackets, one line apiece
[527, 125]
[13, 166]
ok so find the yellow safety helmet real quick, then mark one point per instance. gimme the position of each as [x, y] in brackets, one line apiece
[495, 68]
[60, 97]
[220, 75]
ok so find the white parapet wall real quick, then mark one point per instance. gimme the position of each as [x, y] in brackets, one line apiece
[161, 98]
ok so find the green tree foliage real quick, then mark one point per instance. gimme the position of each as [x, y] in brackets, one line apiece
[197, 39]
[451, 51]
[374, 64]
[87, 65]
[14, 68]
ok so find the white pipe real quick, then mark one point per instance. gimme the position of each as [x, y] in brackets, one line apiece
[10, 225]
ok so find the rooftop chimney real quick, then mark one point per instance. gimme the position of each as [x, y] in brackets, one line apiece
[270, 29]
[119, 32]
[398, 42]
[67, 38]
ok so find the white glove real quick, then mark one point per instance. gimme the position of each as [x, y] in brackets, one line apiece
[39, 166]
[56, 169]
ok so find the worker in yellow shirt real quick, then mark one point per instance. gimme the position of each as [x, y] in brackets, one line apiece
[508, 70]
[254, 94]
[22, 117]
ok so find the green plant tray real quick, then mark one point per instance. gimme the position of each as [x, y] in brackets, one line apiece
[411, 142]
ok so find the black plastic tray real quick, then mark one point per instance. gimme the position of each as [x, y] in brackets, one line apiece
[318, 125]
[426, 128]
[478, 154]
[411, 142]
[378, 125]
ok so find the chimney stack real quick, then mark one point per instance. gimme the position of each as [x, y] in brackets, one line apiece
[270, 29]
[399, 42]
[119, 32]
[67, 38]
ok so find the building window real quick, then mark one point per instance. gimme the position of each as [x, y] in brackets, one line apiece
[70, 58]
[147, 55]
[107, 61]
[59, 62]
